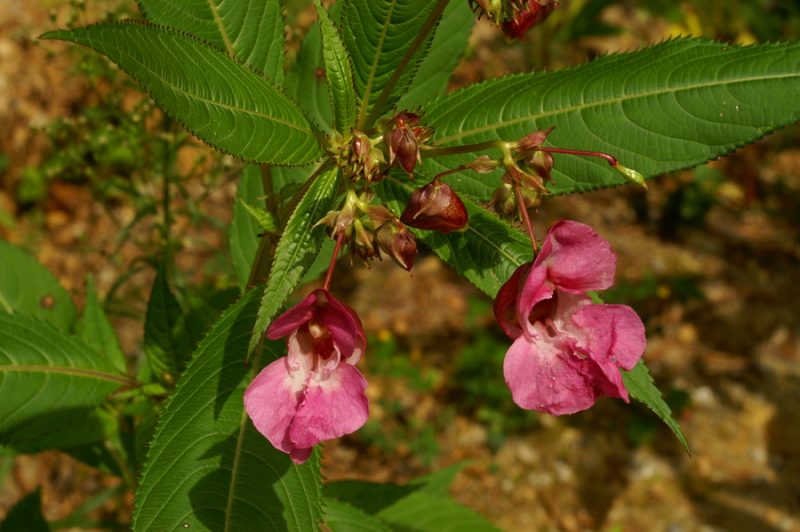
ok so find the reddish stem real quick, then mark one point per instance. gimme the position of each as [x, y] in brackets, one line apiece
[523, 212]
[609, 158]
[332, 265]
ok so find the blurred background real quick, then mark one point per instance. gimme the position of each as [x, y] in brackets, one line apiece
[708, 257]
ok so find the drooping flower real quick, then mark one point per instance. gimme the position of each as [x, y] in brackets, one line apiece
[529, 16]
[314, 393]
[567, 351]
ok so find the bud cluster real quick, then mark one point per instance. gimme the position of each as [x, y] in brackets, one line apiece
[370, 228]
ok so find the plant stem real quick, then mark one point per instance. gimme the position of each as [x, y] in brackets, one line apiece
[612, 161]
[426, 29]
[334, 257]
[467, 148]
[523, 212]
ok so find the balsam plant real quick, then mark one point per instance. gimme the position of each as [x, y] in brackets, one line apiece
[358, 147]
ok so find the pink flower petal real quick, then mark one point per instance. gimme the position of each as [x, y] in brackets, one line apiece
[271, 401]
[293, 318]
[299, 456]
[331, 408]
[615, 339]
[505, 303]
[544, 376]
[615, 333]
[577, 258]
[346, 329]
[536, 290]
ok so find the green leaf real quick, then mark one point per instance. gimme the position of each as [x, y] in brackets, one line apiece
[641, 387]
[243, 235]
[48, 380]
[338, 72]
[26, 515]
[166, 341]
[298, 247]
[343, 517]
[96, 331]
[660, 109]
[29, 288]
[219, 100]
[486, 253]
[422, 512]
[306, 82]
[446, 50]
[266, 221]
[422, 505]
[249, 30]
[378, 33]
[208, 468]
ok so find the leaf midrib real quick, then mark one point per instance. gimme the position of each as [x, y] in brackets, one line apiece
[222, 31]
[575, 108]
[62, 370]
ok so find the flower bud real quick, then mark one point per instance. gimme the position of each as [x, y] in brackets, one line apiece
[631, 175]
[483, 165]
[363, 243]
[435, 207]
[504, 202]
[542, 164]
[365, 160]
[403, 138]
[397, 242]
[529, 16]
[534, 140]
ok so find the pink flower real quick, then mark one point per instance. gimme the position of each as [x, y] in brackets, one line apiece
[567, 351]
[314, 393]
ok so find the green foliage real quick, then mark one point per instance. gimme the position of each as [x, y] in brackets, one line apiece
[659, 109]
[297, 248]
[244, 230]
[338, 72]
[96, 331]
[29, 288]
[250, 30]
[166, 341]
[445, 52]
[26, 515]
[48, 380]
[641, 387]
[306, 82]
[343, 517]
[228, 106]
[423, 505]
[208, 467]
[378, 35]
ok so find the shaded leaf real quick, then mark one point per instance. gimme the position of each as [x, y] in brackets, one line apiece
[29, 288]
[446, 50]
[26, 515]
[378, 34]
[229, 106]
[48, 380]
[208, 468]
[166, 341]
[96, 331]
[243, 233]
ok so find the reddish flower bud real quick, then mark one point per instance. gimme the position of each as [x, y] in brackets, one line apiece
[531, 15]
[435, 207]
[534, 140]
[403, 138]
[542, 163]
[397, 242]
